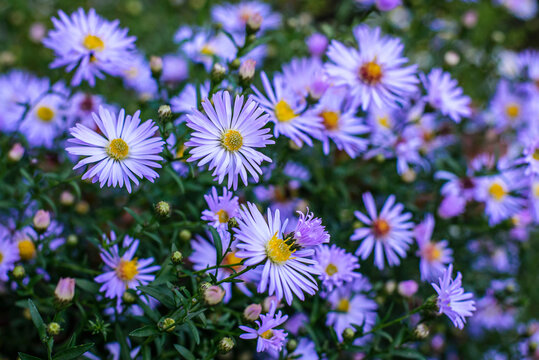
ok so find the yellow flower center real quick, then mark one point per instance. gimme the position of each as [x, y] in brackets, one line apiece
[1, 257]
[180, 151]
[383, 121]
[432, 252]
[223, 216]
[45, 113]
[268, 334]
[380, 227]
[127, 270]
[93, 43]
[207, 50]
[231, 259]
[117, 149]
[370, 73]
[512, 110]
[27, 249]
[536, 154]
[232, 140]
[331, 270]
[331, 119]
[343, 305]
[278, 250]
[497, 191]
[536, 190]
[283, 111]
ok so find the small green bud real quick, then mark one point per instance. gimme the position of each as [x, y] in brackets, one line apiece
[232, 223]
[18, 272]
[218, 73]
[203, 287]
[156, 65]
[53, 328]
[235, 64]
[291, 346]
[164, 112]
[185, 235]
[225, 345]
[167, 325]
[162, 209]
[72, 240]
[176, 257]
[421, 331]
[129, 297]
[348, 334]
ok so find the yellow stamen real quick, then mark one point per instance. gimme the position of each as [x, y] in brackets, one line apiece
[384, 122]
[45, 113]
[1, 257]
[268, 334]
[380, 227]
[536, 190]
[207, 50]
[231, 259]
[232, 140]
[27, 249]
[331, 270]
[223, 216]
[512, 110]
[93, 43]
[343, 305]
[432, 252]
[278, 250]
[536, 154]
[180, 151]
[370, 72]
[117, 149]
[497, 191]
[283, 111]
[127, 270]
[331, 119]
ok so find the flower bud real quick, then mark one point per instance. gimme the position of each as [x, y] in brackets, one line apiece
[235, 64]
[162, 209]
[37, 32]
[53, 329]
[42, 220]
[317, 44]
[72, 240]
[407, 288]
[129, 297]
[65, 290]
[18, 272]
[291, 345]
[214, 295]
[67, 198]
[267, 303]
[253, 23]
[247, 72]
[225, 345]
[176, 257]
[156, 64]
[164, 112]
[252, 312]
[167, 325]
[421, 331]
[218, 73]
[16, 152]
[232, 223]
[203, 287]
[390, 286]
[348, 334]
[409, 176]
[82, 207]
[185, 235]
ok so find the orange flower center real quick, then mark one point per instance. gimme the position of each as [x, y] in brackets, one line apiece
[497, 191]
[232, 140]
[512, 110]
[380, 227]
[231, 259]
[331, 119]
[432, 252]
[117, 149]
[223, 216]
[278, 250]
[268, 334]
[27, 249]
[536, 154]
[127, 270]
[370, 73]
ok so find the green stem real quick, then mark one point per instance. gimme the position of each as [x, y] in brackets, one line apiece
[236, 274]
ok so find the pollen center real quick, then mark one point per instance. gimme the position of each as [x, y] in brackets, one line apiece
[331, 270]
[45, 113]
[343, 305]
[127, 270]
[27, 249]
[117, 149]
[536, 154]
[231, 259]
[370, 73]
[278, 250]
[380, 227]
[207, 50]
[283, 111]
[512, 110]
[232, 140]
[536, 190]
[268, 334]
[432, 252]
[383, 121]
[223, 216]
[497, 191]
[331, 119]
[1, 257]
[93, 43]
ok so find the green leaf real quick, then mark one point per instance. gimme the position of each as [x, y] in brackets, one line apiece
[184, 352]
[408, 354]
[28, 357]
[144, 331]
[176, 178]
[38, 321]
[218, 244]
[27, 176]
[87, 285]
[194, 330]
[161, 293]
[72, 353]
[135, 216]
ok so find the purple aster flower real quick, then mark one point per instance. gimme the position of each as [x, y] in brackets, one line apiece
[309, 230]
[286, 110]
[534, 198]
[268, 337]
[523, 9]
[463, 187]
[124, 271]
[305, 350]
[89, 43]
[286, 270]
[452, 300]
[375, 73]
[340, 123]
[221, 209]
[234, 17]
[126, 148]
[226, 137]
[186, 100]
[137, 75]
[493, 314]
[388, 233]
[451, 206]
[81, 107]
[305, 77]
[350, 307]
[175, 70]
[531, 157]
[434, 256]
[335, 265]
[444, 94]
[508, 108]
[9, 254]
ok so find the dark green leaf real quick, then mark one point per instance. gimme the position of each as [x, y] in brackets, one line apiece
[161, 293]
[184, 352]
[28, 357]
[36, 318]
[72, 353]
[135, 216]
[144, 331]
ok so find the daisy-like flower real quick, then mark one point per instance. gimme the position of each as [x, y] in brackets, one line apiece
[375, 73]
[341, 125]
[434, 256]
[285, 269]
[226, 137]
[221, 209]
[9, 254]
[335, 265]
[306, 77]
[124, 270]
[531, 157]
[452, 300]
[286, 110]
[137, 75]
[309, 230]
[444, 94]
[508, 107]
[234, 17]
[89, 43]
[388, 232]
[187, 99]
[81, 107]
[350, 307]
[126, 149]
[268, 337]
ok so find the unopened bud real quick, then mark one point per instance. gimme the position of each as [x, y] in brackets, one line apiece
[407, 288]
[235, 64]
[53, 328]
[421, 331]
[390, 287]
[218, 73]
[167, 325]
[409, 176]
[16, 152]
[72, 240]
[18, 272]
[176, 257]
[291, 345]
[247, 72]
[266, 304]
[253, 23]
[65, 290]
[156, 64]
[203, 287]
[67, 198]
[348, 334]
[225, 345]
[252, 312]
[128, 297]
[164, 112]
[82, 207]
[42, 220]
[232, 223]
[213, 295]
[185, 235]
[162, 209]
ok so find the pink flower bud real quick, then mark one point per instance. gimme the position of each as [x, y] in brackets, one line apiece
[65, 290]
[267, 303]
[214, 295]
[247, 70]
[317, 44]
[42, 220]
[16, 152]
[407, 288]
[37, 32]
[254, 22]
[252, 312]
